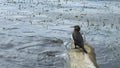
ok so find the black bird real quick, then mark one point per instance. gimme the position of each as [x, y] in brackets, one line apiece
[77, 37]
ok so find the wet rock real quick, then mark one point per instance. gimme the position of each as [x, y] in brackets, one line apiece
[50, 53]
[54, 40]
[81, 60]
[57, 41]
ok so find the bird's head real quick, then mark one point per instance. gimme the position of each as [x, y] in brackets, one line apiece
[76, 27]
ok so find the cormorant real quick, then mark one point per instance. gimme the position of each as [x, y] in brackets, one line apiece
[77, 37]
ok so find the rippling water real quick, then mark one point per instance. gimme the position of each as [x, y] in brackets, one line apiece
[36, 34]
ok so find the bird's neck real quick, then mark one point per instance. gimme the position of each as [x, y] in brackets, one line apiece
[76, 30]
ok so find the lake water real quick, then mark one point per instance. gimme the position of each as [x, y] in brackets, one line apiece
[37, 34]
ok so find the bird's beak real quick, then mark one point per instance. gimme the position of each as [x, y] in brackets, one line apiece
[72, 27]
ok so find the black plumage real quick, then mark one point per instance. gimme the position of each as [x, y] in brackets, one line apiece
[78, 39]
